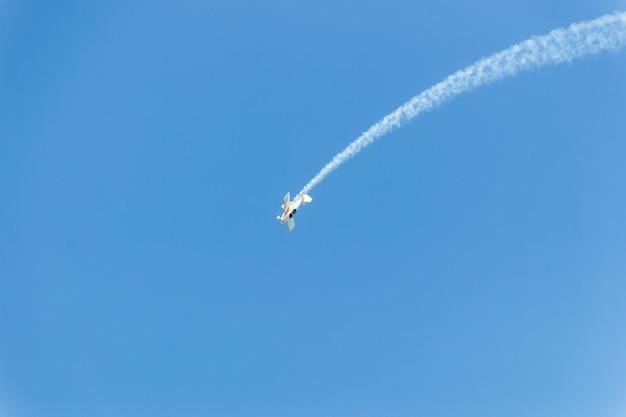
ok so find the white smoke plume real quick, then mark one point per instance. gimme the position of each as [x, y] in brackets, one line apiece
[606, 33]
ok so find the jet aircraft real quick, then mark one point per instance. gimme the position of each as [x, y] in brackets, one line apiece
[291, 207]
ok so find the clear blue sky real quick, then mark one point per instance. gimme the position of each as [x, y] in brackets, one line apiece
[472, 263]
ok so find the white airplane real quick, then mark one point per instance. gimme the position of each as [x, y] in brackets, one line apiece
[290, 208]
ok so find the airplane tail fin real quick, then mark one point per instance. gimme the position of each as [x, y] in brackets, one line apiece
[306, 198]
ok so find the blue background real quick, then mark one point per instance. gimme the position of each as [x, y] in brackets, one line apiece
[471, 263]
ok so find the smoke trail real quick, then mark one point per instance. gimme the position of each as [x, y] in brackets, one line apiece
[561, 45]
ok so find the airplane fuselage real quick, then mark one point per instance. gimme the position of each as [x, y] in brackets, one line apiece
[291, 211]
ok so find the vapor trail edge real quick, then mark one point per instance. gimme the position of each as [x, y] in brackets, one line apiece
[606, 33]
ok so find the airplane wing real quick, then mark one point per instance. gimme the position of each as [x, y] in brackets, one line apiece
[290, 224]
[286, 202]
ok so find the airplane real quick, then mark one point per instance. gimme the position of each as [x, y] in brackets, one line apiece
[290, 208]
